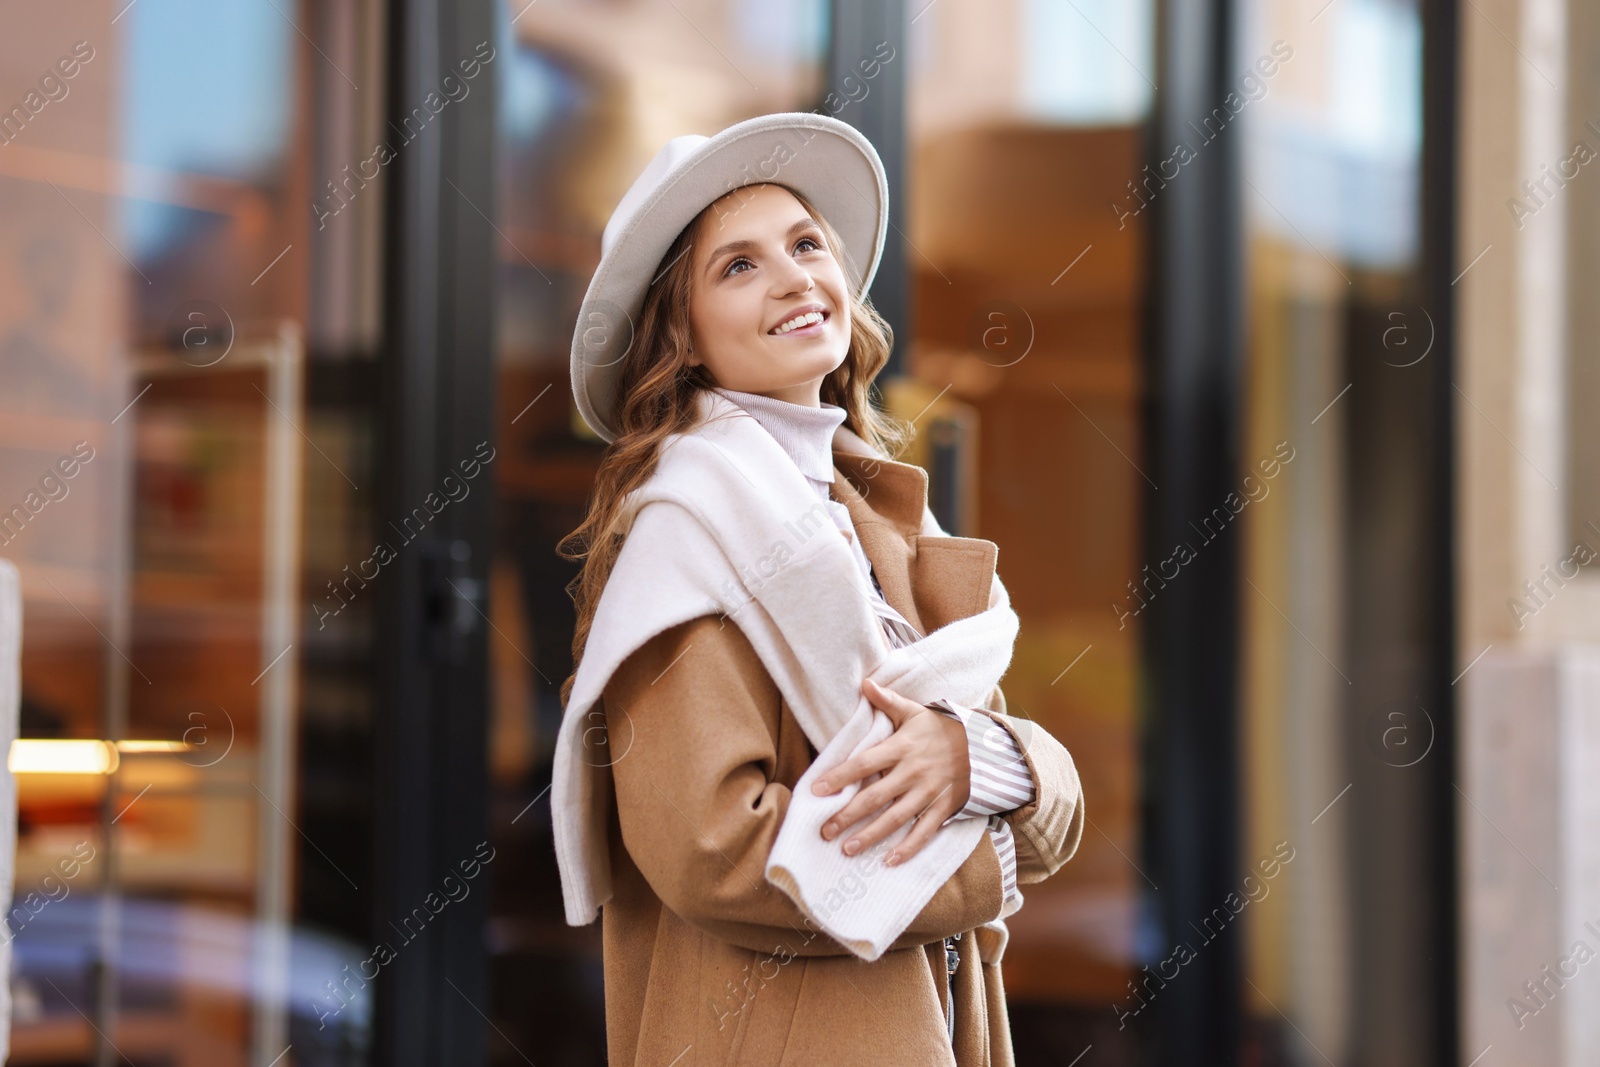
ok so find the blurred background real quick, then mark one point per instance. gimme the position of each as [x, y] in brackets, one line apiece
[1251, 330]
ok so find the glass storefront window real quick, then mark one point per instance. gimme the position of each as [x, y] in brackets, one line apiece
[1333, 735]
[1028, 296]
[157, 440]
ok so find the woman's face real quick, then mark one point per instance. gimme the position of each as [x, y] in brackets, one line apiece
[759, 261]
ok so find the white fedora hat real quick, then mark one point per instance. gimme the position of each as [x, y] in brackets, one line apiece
[827, 161]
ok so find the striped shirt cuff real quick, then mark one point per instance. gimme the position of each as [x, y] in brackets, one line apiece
[1005, 846]
[1001, 781]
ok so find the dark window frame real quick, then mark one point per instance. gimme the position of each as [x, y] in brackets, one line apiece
[436, 405]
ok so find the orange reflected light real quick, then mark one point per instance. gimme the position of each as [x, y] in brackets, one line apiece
[153, 746]
[35, 755]
[42, 756]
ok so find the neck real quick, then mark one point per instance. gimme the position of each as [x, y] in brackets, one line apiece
[806, 394]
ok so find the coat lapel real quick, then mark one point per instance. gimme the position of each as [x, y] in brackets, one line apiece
[931, 580]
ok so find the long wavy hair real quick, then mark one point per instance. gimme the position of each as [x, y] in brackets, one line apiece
[659, 392]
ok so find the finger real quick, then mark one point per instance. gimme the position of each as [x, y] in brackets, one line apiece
[869, 800]
[900, 813]
[864, 803]
[879, 757]
[928, 823]
[881, 698]
[892, 704]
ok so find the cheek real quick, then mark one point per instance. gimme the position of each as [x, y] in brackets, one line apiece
[837, 286]
[705, 322]
[838, 290]
[732, 319]
[719, 329]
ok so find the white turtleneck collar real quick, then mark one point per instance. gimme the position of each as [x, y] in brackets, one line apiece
[804, 432]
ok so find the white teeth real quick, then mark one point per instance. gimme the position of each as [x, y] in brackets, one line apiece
[798, 321]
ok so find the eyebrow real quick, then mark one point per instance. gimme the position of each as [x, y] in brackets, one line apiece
[807, 223]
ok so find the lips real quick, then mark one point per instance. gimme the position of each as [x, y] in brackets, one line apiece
[810, 328]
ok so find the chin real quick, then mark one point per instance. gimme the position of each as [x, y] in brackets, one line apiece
[833, 362]
[820, 371]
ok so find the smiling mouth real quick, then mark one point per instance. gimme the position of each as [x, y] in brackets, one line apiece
[810, 328]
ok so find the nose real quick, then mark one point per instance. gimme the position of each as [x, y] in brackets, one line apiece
[791, 278]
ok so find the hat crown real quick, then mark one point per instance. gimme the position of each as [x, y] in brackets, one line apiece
[672, 154]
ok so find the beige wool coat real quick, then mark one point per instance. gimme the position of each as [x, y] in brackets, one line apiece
[707, 963]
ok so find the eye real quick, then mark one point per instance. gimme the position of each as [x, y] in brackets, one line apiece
[799, 246]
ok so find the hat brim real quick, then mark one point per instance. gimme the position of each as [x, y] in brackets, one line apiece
[827, 161]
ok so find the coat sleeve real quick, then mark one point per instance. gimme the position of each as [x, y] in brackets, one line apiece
[699, 806]
[1049, 828]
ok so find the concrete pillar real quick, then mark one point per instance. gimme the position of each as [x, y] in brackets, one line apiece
[1529, 823]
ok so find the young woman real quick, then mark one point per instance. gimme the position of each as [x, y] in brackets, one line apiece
[784, 880]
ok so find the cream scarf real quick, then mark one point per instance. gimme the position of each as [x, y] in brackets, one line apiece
[727, 524]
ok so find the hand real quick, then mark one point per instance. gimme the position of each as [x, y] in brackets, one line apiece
[927, 776]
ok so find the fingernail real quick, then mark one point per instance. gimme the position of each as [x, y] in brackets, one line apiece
[852, 847]
[829, 830]
[892, 859]
[821, 787]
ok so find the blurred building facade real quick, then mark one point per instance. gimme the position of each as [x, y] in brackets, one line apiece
[1252, 331]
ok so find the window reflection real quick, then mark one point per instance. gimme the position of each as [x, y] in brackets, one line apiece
[156, 440]
[1332, 217]
[1028, 300]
